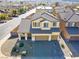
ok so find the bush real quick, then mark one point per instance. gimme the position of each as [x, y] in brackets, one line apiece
[14, 49]
[22, 10]
[21, 44]
[62, 46]
[14, 13]
[4, 16]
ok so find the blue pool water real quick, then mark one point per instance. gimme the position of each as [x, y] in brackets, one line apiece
[43, 50]
[74, 47]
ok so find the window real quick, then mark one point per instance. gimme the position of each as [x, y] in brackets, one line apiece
[36, 24]
[54, 23]
[71, 24]
[46, 25]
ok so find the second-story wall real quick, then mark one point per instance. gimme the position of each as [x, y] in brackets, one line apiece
[44, 24]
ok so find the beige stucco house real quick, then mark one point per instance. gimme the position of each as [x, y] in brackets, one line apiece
[39, 26]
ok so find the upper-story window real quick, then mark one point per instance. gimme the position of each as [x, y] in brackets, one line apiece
[54, 23]
[46, 25]
[71, 24]
[36, 24]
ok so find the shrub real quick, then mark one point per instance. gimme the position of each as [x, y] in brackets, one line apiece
[4, 16]
[21, 44]
[62, 46]
[22, 10]
[14, 13]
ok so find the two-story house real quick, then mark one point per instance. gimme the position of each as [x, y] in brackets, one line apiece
[41, 26]
[71, 19]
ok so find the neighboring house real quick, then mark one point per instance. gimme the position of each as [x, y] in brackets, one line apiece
[41, 26]
[44, 9]
[73, 25]
[1, 11]
[71, 19]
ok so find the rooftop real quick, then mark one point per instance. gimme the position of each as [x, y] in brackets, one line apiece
[44, 7]
[24, 26]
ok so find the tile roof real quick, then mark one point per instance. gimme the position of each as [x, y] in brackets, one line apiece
[44, 15]
[49, 17]
[36, 16]
[24, 26]
[66, 14]
[74, 18]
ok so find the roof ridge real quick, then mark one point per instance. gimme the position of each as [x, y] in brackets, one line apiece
[50, 15]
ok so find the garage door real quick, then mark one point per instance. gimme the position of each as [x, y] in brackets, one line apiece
[54, 37]
[41, 37]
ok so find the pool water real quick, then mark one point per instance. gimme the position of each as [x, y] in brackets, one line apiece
[43, 50]
[74, 47]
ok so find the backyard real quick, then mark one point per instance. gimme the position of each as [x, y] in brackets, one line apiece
[39, 49]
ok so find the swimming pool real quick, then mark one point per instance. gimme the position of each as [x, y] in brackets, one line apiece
[74, 47]
[43, 50]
